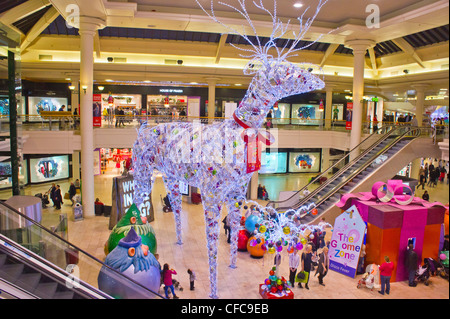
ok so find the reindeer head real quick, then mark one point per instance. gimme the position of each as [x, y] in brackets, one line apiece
[274, 76]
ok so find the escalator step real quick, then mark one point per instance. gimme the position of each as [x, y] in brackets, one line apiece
[2, 259]
[46, 290]
[11, 272]
[29, 281]
[64, 295]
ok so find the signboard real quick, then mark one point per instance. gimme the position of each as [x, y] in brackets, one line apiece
[346, 242]
[122, 199]
[349, 116]
[97, 110]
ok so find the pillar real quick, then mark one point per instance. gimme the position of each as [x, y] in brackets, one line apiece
[254, 186]
[75, 165]
[359, 48]
[420, 102]
[325, 159]
[212, 97]
[328, 105]
[87, 30]
[75, 94]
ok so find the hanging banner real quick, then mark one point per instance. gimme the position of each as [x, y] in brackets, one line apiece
[346, 242]
[349, 116]
[97, 110]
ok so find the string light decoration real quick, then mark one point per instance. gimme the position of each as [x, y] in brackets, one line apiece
[220, 158]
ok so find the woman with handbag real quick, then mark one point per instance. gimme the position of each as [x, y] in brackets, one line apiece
[306, 265]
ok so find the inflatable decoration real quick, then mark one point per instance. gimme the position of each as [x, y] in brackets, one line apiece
[134, 260]
[243, 237]
[219, 158]
[132, 220]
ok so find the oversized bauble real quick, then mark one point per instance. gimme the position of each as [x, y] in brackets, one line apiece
[314, 211]
[132, 219]
[271, 273]
[258, 250]
[273, 289]
[243, 238]
[442, 257]
[279, 282]
[262, 229]
[130, 259]
[279, 248]
[303, 241]
[267, 282]
[286, 230]
[250, 223]
[299, 246]
[271, 250]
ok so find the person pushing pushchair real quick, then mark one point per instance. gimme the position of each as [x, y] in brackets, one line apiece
[167, 207]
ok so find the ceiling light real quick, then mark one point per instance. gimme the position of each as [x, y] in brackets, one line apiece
[238, 84]
[194, 83]
[108, 80]
[71, 87]
[298, 5]
[147, 81]
[101, 88]
[68, 79]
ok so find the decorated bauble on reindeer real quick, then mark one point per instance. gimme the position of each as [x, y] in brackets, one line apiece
[220, 158]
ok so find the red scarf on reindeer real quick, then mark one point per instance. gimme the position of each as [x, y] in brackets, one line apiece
[252, 141]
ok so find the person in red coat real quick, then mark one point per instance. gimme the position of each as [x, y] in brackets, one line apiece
[385, 275]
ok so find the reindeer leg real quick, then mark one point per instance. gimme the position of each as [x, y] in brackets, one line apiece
[212, 218]
[234, 216]
[173, 191]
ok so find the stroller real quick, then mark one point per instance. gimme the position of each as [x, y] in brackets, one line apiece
[44, 199]
[423, 274]
[371, 278]
[166, 204]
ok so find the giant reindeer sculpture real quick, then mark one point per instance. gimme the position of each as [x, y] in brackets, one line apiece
[219, 158]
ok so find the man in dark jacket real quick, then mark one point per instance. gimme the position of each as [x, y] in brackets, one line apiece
[72, 192]
[411, 262]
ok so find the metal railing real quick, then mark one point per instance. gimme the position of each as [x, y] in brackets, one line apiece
[30, 238]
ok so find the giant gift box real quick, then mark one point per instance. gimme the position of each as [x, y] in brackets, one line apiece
[390, 225]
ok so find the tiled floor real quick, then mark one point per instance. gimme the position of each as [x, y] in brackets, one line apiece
[240, 283]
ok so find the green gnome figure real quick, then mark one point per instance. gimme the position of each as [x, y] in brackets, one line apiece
[132, 219]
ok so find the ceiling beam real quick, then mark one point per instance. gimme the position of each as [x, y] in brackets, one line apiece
[40, 26]
[373, 61]
[220, 46]
[407, 48]
[97, 45]
[22, 10]
[330, 51]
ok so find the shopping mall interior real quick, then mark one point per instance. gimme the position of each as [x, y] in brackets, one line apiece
[350, 98]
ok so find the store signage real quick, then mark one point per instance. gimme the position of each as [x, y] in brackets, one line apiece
[346, 241]
[170, 90]
[122, 199]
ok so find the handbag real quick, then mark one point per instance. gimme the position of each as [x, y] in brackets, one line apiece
[66, 196]
[302, 277]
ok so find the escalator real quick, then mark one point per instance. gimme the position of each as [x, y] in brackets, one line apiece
[381, 155]
[35, 263]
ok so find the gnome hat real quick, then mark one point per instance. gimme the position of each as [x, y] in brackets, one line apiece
[131, 240]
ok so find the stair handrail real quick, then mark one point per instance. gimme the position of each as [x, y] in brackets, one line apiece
[417, 133]
[23, 249]
[390, 129]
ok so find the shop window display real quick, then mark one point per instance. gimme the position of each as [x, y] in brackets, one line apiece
[306, 114]
[49, 168]
[304, 162]
[281, 113]
[165, 105]
[38, 104]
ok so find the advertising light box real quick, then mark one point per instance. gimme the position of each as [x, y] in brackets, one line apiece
[49, 168]
[273, 163]
[304, 162]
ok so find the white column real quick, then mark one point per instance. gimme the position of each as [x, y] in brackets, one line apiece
[328, 105]
[75, 165]
[212, 97]
[325, 158]
[88, 27]
[420, 102]
[254, 186]
[359, 48]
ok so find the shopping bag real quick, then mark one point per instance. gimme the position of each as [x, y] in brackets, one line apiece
[302, 277]
[66, 196]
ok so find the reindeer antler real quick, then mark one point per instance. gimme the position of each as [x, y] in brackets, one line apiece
[279, 29]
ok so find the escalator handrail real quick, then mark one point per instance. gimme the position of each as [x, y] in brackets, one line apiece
[24, 253]
[342, 170]
[78, 249]
[364, 166]
[391, 129]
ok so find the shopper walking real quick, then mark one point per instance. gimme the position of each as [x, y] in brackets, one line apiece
[52, 192]
[167, 280]
[421, 181]
[58, 197]
[324, 264]
[294, 261]
[386, 269]
[411, 262]
[72, 192]
[306, 262]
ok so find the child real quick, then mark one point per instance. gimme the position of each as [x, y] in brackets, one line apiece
[191, 278]
[167, 279]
